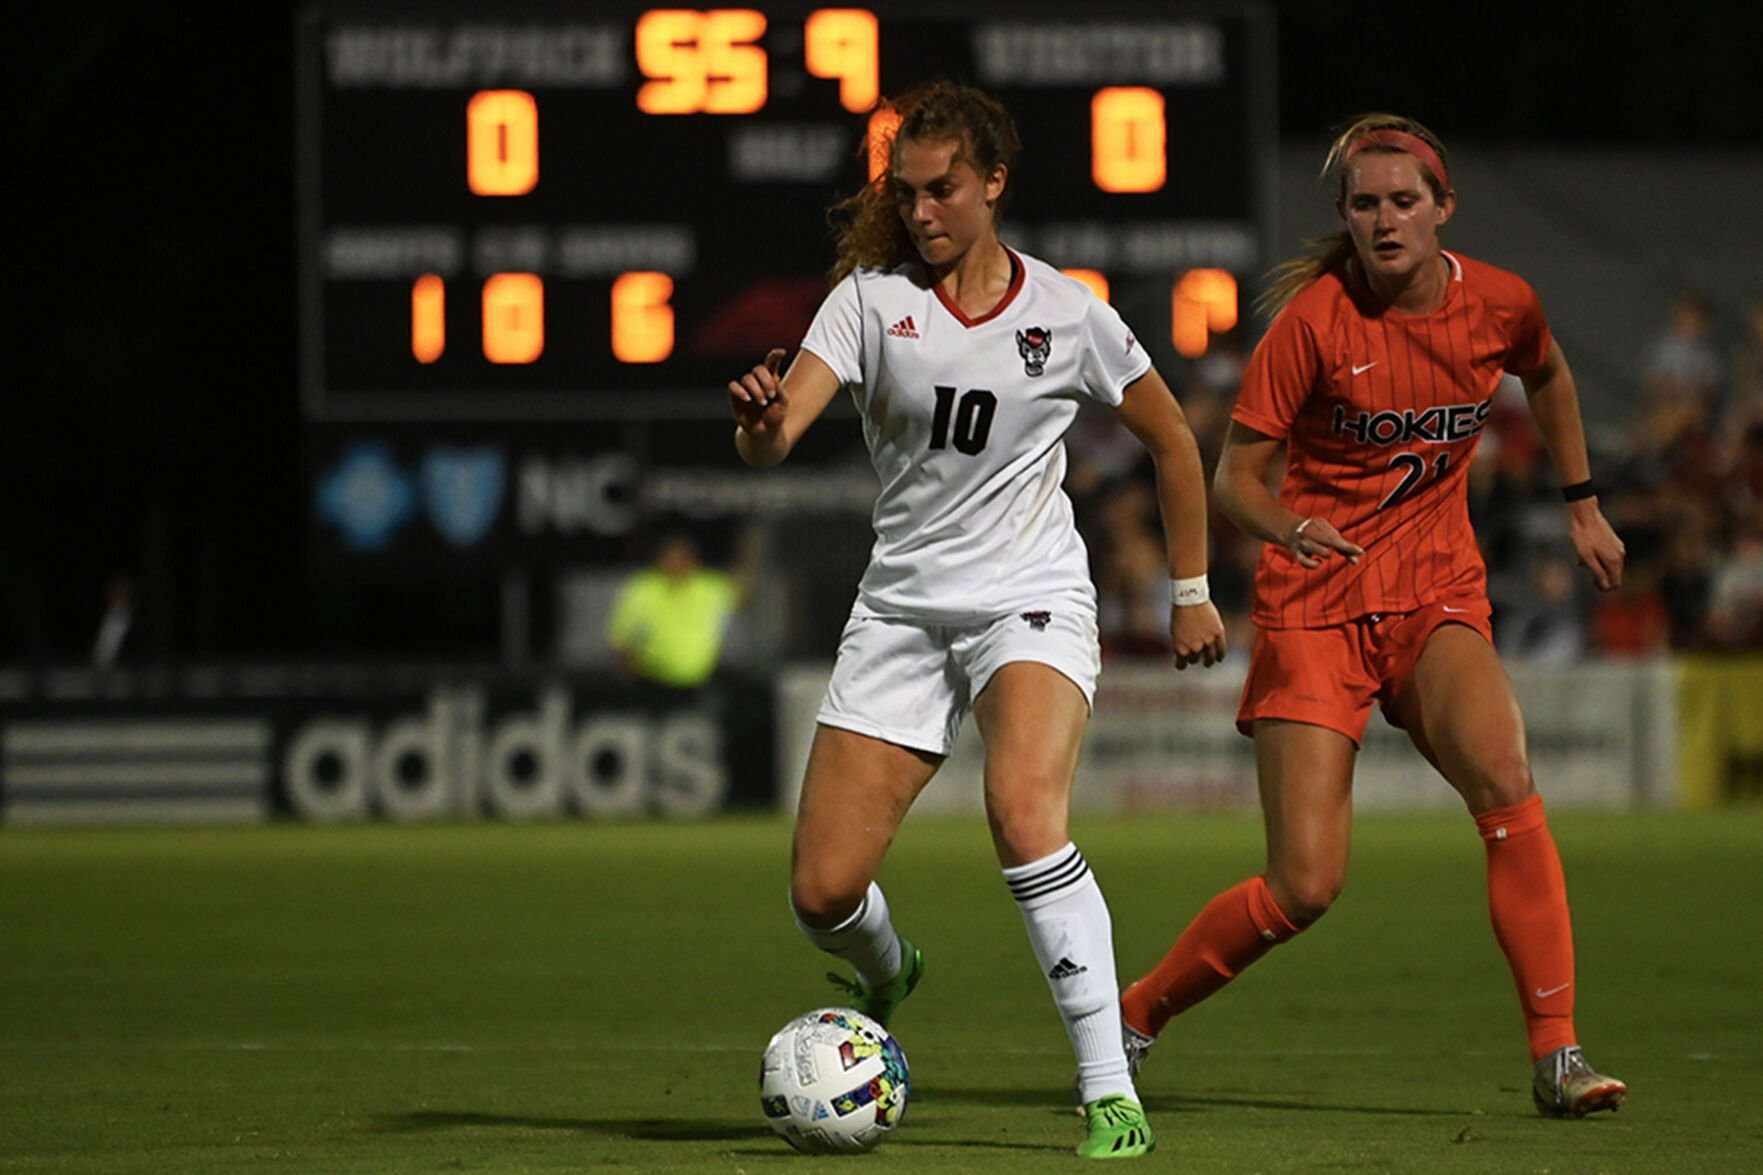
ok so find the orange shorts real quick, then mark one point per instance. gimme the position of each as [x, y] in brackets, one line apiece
[1329, 677]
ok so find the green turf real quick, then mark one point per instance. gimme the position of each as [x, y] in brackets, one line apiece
[581, 996]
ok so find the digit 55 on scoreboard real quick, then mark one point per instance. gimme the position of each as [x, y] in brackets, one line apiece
[596, 212]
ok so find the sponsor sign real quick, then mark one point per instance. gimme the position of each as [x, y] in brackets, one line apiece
[188, 767]
[463, 750]
[408, 743]
[1601, 736]
[417, 500]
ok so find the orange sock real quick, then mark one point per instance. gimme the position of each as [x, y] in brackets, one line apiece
[1527, 896]
[1236, 928]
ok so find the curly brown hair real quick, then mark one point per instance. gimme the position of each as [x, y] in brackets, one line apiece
[867, 224]
[1323, 254]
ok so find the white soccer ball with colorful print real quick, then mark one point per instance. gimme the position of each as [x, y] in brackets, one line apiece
[833, 1081]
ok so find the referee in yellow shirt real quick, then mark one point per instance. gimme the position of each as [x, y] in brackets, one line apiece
[669, 619]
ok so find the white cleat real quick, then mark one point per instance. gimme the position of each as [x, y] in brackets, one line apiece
[1564, 1086]
[1138, 1047]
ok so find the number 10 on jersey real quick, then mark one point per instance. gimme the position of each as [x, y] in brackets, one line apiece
[971, 415]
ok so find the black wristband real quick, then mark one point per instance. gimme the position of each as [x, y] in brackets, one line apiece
[1579, 491]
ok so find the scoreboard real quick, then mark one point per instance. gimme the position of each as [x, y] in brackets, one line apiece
[594, 211]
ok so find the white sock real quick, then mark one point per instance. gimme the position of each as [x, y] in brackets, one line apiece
[1073, 939]
[866, 939]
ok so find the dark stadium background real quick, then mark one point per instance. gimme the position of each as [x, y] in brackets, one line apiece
[151, 427]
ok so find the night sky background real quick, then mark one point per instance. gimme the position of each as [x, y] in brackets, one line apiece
[152, 428]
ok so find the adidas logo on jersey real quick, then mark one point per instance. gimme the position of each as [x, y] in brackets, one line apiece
[1065, 969]
[904, 329]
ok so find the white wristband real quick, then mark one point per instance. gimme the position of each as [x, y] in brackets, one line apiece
[1188, 592]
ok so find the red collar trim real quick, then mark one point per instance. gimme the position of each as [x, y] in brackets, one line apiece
[1018, 274]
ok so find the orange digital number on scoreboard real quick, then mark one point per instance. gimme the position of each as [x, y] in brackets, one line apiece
[710, 62]
[701, 62]
[514, 317]
[642, 319]
[1127, 137]
[841, 43]
[502, 143]
[428, 318]
[1203, 303]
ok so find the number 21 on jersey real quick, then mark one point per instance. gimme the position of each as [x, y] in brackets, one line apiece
[1414, 471]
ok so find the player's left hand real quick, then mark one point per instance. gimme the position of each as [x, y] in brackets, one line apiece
[1197, 633]
[1600, 550]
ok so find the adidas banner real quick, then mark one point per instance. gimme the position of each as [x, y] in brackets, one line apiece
[355, 742]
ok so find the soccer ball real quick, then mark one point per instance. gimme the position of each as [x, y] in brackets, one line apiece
[833, 1081]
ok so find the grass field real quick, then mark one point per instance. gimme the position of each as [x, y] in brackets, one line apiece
[582, 996]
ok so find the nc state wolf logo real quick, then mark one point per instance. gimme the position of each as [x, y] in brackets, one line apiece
[1037, 620]
[1034, 344]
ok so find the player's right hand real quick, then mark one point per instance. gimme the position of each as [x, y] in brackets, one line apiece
[1197, 633]
[1311, 540]
[757, 398]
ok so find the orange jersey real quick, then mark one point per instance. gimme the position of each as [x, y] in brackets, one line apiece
[1381, 413]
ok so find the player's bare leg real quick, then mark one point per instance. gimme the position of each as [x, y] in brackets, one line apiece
[1305, 774]
[856, 792]
[1032, 719]
[1463, 716]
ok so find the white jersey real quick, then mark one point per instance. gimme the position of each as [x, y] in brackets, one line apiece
[965, 420]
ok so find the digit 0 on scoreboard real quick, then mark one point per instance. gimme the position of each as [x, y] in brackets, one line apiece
[501, 143]
[591, 210]
[1127, 137]
[514, 317]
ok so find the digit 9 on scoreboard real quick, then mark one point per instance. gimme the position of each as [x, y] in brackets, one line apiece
[551, 215]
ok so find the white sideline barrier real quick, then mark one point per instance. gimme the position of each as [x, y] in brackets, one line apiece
[1602, 736]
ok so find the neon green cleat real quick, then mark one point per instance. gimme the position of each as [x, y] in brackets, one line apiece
[879, 1003]
[1118, 1129]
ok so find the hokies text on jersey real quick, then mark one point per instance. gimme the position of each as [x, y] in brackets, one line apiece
[1438, 425]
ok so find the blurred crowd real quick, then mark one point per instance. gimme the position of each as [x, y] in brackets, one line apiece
[1680, 471]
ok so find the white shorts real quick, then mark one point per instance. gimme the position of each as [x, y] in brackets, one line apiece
[912, 684]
